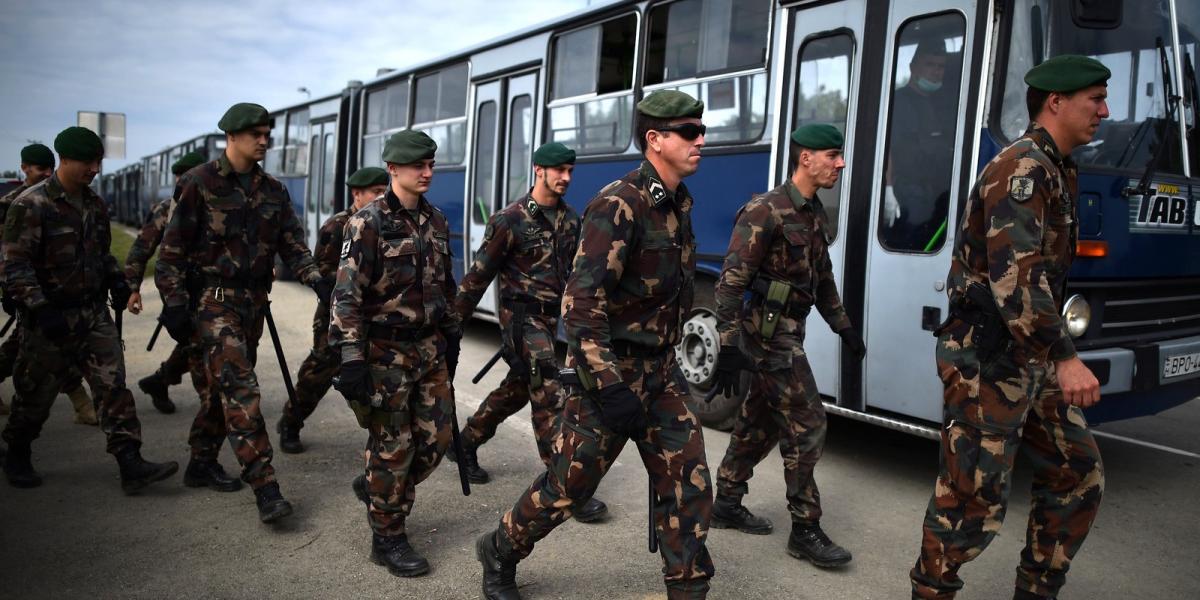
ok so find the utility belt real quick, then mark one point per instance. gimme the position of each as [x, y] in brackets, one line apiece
[368, 415]
[85, 300]
[774, 297]
[977, 307]
[542, 308]
[399, 334]
[237, 285]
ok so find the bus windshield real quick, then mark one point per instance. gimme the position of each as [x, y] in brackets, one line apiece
[1137, 93]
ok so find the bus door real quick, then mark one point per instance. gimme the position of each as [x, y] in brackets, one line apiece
[322, 161]
[501, 165]
[821, 87]
[927, 128]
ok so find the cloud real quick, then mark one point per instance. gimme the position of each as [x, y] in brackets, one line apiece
[173, 68]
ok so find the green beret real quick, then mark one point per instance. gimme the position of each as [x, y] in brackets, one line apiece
[553, 154]
[79, 143]
[242, 116]
[1067, 73]
[670, 104]
[408, 146]
[367, 177]
[37, 154]
[818, 136]
[188, 162]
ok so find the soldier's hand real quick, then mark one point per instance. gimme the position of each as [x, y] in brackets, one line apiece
[854, 342]
[730, 364]
[354, 382]
[453, 350]
[52, 323]
[10, 305]
[134, 306]
[178, 323]
[622, 411]
[1080, 387]
[324, 289]
[119, 291]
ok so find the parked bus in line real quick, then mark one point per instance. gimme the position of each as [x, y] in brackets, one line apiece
[926, 91]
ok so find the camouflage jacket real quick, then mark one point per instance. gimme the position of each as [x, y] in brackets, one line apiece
[228, 234]
[531, 254]
[5, 202]
[633, 273]
[781, 236]
[1018, 237]
[146, 243]
[394, 273]
[329, 243]
[56, 250]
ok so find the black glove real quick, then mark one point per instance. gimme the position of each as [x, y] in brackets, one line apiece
[854, 342]
[622, 411]
[324, 289]
[177, 322]
[453, 349]
[730, 364]
[354, 382]
[10, 305]
[119, 290]
[52, 323]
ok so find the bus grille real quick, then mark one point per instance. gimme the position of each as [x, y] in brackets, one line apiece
[1145, 310]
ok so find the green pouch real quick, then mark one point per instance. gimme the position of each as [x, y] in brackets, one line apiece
[773, 307]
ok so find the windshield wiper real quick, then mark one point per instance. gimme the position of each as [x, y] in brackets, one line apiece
[1172, 103]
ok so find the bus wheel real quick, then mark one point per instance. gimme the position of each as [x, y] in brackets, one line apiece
[697, 356]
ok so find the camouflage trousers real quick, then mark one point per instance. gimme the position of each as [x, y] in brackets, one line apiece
[208, 429]
[408, 434]
[781, 406]
[8, 361]
[672, 450]
[992, 410]
[177, 364]
[316, 372]
[93, 345]
[522, 385]
[228, 331]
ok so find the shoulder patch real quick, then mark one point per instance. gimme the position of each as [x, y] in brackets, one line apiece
[345, 248]
[1020, 188]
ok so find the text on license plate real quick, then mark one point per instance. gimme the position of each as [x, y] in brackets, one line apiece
[1181, 364]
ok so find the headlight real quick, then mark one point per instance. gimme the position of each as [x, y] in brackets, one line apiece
[1077, 314]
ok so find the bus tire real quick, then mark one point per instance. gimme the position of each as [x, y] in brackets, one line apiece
[697, 357]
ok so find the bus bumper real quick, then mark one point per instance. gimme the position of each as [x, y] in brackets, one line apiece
[1144, 380]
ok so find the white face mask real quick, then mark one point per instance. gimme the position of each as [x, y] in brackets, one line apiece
[928, 86]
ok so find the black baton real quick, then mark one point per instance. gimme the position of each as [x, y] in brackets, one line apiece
[8, 325]
[456, 442]
[117, 320]
[154, 336]
[287, 377]
[653, 543]
[488, 367]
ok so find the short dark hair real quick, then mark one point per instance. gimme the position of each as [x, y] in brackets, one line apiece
[794, 151]
[1035, 100]
[646, 123]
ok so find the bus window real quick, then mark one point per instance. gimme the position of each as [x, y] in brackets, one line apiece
[520, 145]
[692, 39]
[311, 205]
[387, 113]
[1136, 99]
[330, 164]
[485, 163]
[273, 161]
[440, 110]
[921, 135]
[295, 153]
[591, 106]
[822, 96]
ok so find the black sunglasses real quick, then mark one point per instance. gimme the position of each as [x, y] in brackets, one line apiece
[687, 131]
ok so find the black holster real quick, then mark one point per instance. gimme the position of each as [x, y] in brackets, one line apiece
[977, 307]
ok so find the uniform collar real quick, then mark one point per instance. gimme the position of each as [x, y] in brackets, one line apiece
[535, 209]
[1045, 142]
[798, 199]
[55, 190]
[225, 168]
[659, 194]
[392, 202]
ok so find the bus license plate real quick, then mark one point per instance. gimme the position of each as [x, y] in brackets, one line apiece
[1181, 364]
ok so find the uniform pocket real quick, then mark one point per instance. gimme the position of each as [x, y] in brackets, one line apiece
[400, 259]
[659, 264]
[226, 215]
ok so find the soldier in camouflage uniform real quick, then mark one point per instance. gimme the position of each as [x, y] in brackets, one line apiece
[319, 368]
[37, 163]
[59, 271]
[182, 358]
[214, 272]
[399, 342]
[1011, 375]
[628, 294]
[530, 244]
[779, 252]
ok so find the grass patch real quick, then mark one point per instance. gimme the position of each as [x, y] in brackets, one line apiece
[122, 241]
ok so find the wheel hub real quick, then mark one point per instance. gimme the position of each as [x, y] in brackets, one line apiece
[697, 349]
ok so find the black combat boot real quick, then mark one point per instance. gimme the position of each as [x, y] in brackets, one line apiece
[137, 472]
[271, 505]
[499, 567]
[593, 510]
[289, 435]
[209, 473]
[359, 485]
[156, 388]
[728, 513]
[18, 466]
[809, 542]
[395, 553]
[1020, 594]
[475, 473]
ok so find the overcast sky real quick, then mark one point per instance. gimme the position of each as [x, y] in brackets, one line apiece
[173, 69]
